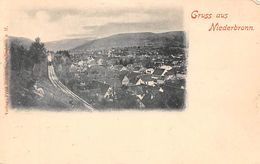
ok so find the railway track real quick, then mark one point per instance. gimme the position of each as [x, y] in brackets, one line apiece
[55, 81]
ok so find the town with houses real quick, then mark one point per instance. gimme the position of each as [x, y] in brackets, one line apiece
[146, 77]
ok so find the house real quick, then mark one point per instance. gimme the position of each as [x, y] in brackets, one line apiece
[81, 86]
[91, 61]
[130, 67]
[170, 75]
[170, 72]
[122, 74]
[98, 88]
[128, 78]
[109, 93]
[161, 90]
[100, 61]
[77, 76]
[125, 81]
[136, 69]
[180, 76]
[133, 77]
[160, 81]
[81, 63]
[151, 89]
[158, 72]
[148, 99]
[149, 71]
[123, 69]
[146, 80]
[152, 98]
[166, 67]
[82, 83]
[137, 90]
[118, 67]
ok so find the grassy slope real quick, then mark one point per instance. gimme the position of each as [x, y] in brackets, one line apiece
[53, 99]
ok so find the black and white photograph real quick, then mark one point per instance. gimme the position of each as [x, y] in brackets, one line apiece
[98, 59]
[130, 82]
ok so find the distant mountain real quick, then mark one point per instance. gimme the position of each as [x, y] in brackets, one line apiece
[174, 38]
[65, 44]
[20, 40]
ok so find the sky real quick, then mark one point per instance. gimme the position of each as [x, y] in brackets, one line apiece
[92, 20]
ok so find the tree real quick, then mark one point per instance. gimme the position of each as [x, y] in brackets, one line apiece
[19, 57]
[37, 51]
[15, 58]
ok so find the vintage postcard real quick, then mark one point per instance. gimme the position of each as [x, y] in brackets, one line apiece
[97, 59]
[129, 81]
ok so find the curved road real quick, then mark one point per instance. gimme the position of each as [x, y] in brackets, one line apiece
[55, 81]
